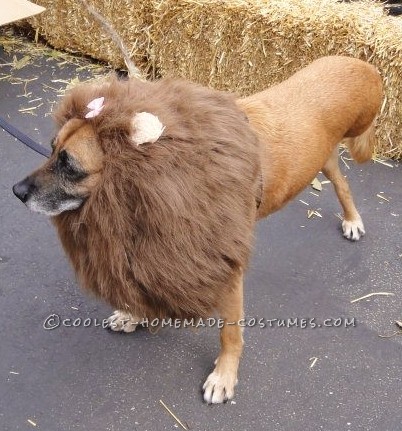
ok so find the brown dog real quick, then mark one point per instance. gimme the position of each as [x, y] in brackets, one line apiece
[300, 123]
[153, 186]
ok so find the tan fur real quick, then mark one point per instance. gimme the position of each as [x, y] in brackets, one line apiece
[220, 384]
[361, 147]
[165, 229]
[79, 139]
[300, 122]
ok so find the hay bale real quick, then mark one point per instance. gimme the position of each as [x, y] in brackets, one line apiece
[238, 45]
[67, 25]
[246, 46]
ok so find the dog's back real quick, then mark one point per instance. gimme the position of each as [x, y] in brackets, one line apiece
[300, 121]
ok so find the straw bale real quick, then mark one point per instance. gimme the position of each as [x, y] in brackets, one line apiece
[246, 46]
[238, 45]
[66, 24]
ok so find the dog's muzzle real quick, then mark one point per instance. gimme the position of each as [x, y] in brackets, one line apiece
[24, 189]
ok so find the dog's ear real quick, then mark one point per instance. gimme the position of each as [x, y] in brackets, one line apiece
[146, 127]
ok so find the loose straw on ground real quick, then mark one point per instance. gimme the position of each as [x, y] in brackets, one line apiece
[173, 415]
[369, 295]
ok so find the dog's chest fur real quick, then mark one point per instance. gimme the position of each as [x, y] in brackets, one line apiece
[171, 222]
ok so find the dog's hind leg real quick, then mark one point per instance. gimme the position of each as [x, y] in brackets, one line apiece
[352, 224]
[220, 384]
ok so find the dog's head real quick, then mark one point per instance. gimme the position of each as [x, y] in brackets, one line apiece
[125, 211]
[67, 178]
[75, 167]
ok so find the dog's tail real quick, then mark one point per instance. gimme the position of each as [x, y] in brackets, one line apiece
[361, 147]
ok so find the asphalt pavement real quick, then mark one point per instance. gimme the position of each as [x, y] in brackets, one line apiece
[320, 362]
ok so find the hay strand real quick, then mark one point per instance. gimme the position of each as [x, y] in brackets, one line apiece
[369, 295]
[173, 415]
[133, 70]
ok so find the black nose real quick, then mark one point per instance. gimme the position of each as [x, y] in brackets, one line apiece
[23, 189]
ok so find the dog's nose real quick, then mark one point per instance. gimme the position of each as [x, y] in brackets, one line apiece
[23, 189]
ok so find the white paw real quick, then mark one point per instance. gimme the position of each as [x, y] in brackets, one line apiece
[120, 321]
[353, 229]
[219, 387]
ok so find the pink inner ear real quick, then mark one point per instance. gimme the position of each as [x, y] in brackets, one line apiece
[92, 114]
[96, 103]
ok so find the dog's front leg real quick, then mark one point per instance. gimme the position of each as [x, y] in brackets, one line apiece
[220, 384]
[122, 321]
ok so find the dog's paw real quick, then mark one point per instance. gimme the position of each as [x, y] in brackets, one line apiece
[120, 321]
[219, 387]
[353, 229]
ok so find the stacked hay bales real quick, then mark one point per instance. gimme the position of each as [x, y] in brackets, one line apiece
[239, 45]
[246, 46]
[68, 25]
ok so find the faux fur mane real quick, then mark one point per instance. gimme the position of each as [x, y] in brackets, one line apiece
[170, 222]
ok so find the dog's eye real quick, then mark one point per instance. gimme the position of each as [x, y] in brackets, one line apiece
[67, 166]
[63, 159]
[64, 163]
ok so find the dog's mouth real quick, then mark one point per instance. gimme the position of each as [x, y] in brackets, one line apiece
[50, 203]
[53, 209]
